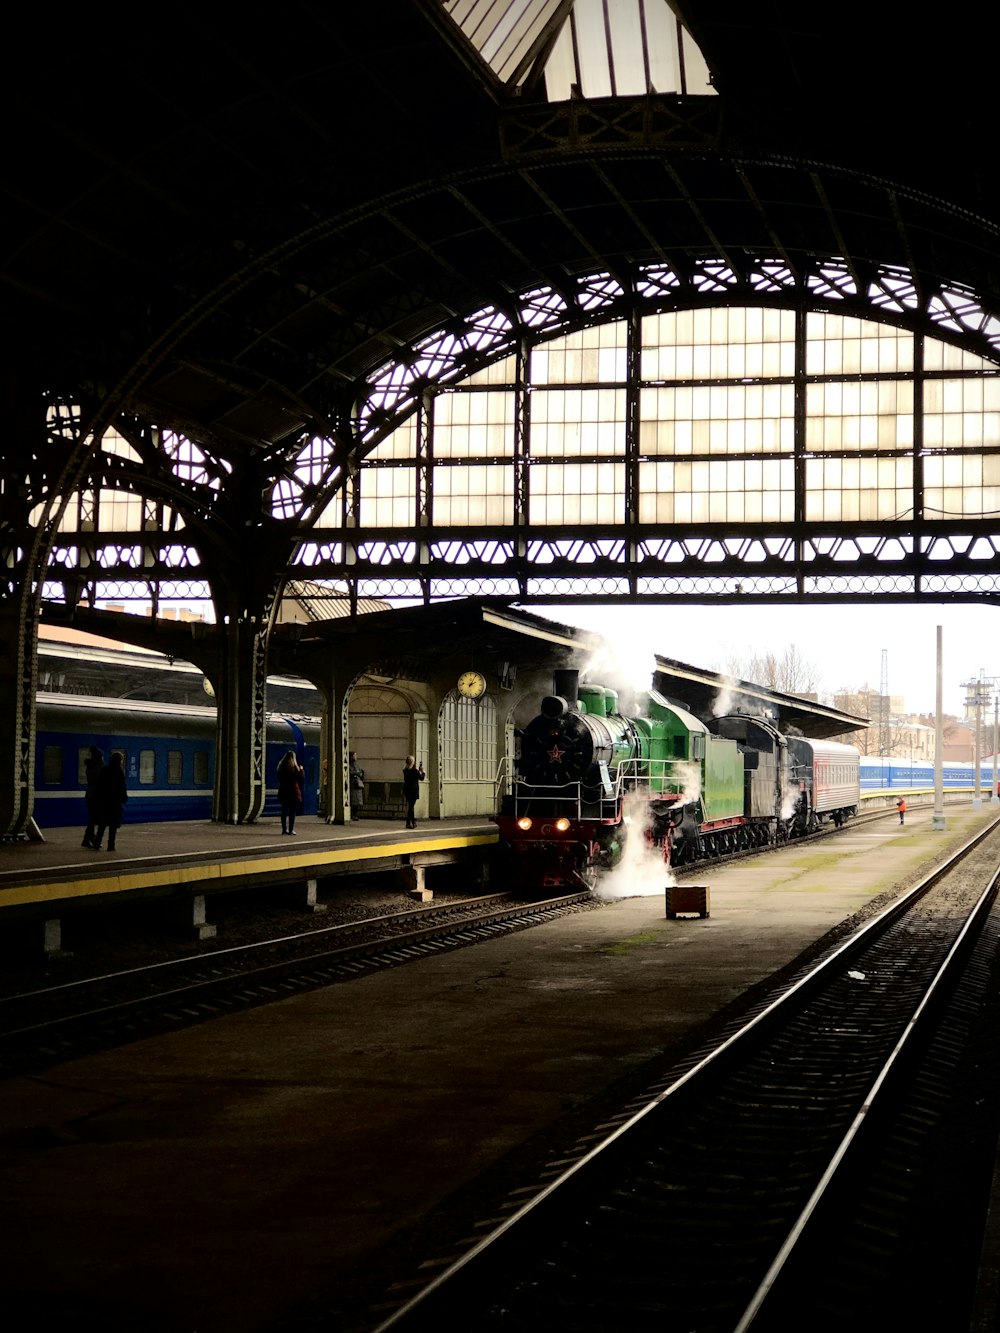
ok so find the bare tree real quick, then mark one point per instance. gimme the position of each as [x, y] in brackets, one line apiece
[788, 671]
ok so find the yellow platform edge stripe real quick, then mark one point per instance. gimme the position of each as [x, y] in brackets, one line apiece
[214, 873]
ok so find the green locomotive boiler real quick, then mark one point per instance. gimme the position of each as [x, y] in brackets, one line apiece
[586, 772]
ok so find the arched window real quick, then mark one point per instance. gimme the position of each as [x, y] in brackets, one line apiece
[469, 740]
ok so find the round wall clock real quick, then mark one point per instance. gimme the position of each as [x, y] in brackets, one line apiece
[471, 685]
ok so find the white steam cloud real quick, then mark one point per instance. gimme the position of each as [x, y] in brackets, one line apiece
[789, 799]
[624, 664]
[725, 701]
[731, 699]
[687, 771]
[642, 872]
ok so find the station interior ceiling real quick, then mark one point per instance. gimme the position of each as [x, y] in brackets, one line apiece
[224, 229]
[466, 634]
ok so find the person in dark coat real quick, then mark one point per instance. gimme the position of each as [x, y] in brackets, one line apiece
[413, 775]
[357, 781]
[111, 797]
[290, 777]
[92, 768]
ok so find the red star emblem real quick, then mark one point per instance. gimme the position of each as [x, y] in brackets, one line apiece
[555, 754]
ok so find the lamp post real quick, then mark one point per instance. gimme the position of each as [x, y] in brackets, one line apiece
[938, 820]
[974, 700]
[977, 697]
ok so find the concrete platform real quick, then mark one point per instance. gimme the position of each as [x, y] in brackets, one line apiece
[204, 856]
[228, 1178]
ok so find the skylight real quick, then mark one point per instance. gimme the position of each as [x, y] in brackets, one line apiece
[583, 48]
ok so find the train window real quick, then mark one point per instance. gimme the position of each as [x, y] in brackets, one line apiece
[201, 766]
[81, 766]
[52, 765]
[697, 745]
[147, 766]
[679, 747]
[175, 767]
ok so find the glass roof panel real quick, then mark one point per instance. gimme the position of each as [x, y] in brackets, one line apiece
[588, 48]
[503, 31]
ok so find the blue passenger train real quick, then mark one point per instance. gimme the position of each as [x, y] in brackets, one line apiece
[168, 752]
[879, 773]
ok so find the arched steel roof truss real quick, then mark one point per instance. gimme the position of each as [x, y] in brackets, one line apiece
[190, 504]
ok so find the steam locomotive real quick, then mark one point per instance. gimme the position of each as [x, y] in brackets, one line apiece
[586, 774]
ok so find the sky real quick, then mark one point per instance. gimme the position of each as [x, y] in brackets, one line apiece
[844, 643]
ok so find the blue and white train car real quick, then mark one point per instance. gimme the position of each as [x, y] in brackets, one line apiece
[878, 773]
[168, 751]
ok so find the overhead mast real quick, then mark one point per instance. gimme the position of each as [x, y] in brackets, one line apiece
[883, 706]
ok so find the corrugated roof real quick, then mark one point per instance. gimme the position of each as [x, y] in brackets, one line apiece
[322, 601]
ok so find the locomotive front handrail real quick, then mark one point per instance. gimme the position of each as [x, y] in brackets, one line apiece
[502, 781]
[664, 777]
[668, 779]
[561, 798]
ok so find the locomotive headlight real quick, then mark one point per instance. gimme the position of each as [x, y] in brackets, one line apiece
[562, 825]
[524, 823]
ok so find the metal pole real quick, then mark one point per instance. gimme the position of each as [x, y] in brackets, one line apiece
[938, 820]
[977, 800]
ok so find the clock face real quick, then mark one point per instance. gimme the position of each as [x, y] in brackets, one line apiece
[471, 684]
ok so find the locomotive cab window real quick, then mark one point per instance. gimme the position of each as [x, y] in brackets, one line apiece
[679, 747]
[175, 767]
[147, 766]
[697, 745]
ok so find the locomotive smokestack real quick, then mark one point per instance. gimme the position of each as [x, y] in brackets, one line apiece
[566, 682]
[566, 686]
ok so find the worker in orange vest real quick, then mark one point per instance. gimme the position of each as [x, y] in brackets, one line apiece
[901, 807]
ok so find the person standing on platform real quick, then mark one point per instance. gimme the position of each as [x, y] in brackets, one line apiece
[901, 807]
[290, 778]
[357, 780]
[92, 769]
[111, 797]
[413, 775]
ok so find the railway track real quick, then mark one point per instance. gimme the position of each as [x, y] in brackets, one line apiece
[46, 1026]
[826, 1164]
[40, 1027]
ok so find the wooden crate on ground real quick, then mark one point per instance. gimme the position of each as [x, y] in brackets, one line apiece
[688, 899]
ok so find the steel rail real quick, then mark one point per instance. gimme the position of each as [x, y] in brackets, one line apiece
[385, 947]
[363, 923]
[726, 1050]
[439, 909]
[839, 1156]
